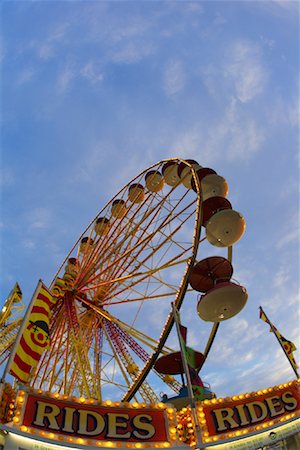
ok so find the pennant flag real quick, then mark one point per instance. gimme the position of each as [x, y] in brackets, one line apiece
[262, 315]
[287, 345]
[35, 336]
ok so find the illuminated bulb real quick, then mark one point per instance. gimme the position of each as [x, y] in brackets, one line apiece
[81, 400]
[16, 419]
[23, 428]
[135, 405]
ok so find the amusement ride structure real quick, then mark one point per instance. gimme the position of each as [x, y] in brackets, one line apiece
[111, 309]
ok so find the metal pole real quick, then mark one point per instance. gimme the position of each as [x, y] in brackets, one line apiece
[188, 382]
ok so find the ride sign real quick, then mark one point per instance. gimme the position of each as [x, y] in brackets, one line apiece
[251, 412]
[94, 422]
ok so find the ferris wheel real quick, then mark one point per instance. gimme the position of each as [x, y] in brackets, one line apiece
[11, 317]
[114, 290]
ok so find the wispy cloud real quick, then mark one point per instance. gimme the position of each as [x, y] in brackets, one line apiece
[235, 137]
[174, 77]
[7, 177]
[244, 68]
[39, 218]
[91, 72]
[130, 52]
[289, 233]
[26, 76]
[65, 78]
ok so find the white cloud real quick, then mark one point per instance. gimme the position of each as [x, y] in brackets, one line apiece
[39, 218]
[236, 137]
[174, 77]
[244, 68]
[29, 244]
[45, 51]
[289, 233]
[131, 52]
[285, 111]
[91, 73]
[65, 78]
[7, 177]
[26, 75]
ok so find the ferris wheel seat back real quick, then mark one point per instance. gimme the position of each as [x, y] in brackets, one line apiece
[86, 244]
[185, 172]
[212, 205]
[118, 208]
[170, 173]
[72, 267]
[101, 226]
[209, 271]
[225, 228]
[154, 181]
[201, 173]
[213, 185]
[136, 193]
[222, 302]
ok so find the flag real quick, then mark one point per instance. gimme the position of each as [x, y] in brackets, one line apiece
[35, 335]
[287, 345]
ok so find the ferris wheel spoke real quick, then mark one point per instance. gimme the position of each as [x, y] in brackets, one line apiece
[158, 247]
[142, 243]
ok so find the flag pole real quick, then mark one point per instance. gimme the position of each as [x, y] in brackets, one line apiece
[188, 382]
[20, 332]
[273, 330]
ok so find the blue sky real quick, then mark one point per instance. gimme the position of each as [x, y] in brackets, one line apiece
[94, 92]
